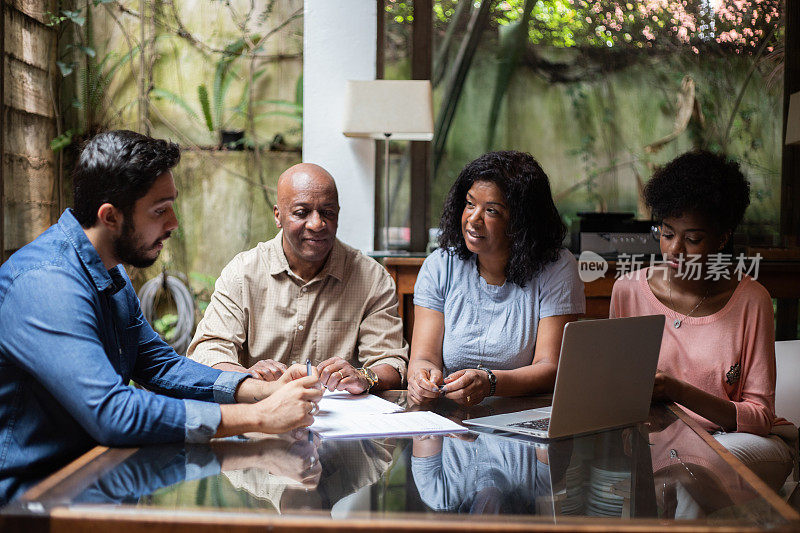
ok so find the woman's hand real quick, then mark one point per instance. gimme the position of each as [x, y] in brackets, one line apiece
[664, 387]
[423, 384]
[425, 365]
[467, 387]
[720, 411]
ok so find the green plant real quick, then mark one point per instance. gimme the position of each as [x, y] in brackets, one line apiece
[94, 75]
[203, 297]
[215, 115]
[293, 110]
[165, 326]
[286, 108]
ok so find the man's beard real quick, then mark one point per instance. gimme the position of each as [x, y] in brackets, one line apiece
[129, 249]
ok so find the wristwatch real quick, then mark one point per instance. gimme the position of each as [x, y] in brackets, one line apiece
[369, 375]
[492, 379]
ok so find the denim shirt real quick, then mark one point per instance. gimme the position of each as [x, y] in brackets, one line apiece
[72, 336]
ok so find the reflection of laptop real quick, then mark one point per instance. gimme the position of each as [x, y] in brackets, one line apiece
[605, 379]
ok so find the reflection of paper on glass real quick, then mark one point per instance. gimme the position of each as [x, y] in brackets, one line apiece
[344, 415]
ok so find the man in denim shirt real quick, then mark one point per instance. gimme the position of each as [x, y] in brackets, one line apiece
[72, 333]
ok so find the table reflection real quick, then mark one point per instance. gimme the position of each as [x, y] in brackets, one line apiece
[692, 481]
[603, 474]
[486, 474]
[292, 472]
[658, 470]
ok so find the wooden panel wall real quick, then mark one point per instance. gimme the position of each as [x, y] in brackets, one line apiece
[2, 129]
[29, 99]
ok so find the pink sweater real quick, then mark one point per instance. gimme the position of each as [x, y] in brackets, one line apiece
[704, 350]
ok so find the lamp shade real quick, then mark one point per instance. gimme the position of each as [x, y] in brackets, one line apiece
[793, 120]
[401, 108]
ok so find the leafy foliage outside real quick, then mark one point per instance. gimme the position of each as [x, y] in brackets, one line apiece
[737, 25]
[123, 63]
[616, 87]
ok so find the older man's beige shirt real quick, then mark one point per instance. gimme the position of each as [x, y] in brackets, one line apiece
[261, 310]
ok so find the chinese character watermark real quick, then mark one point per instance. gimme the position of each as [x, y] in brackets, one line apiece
[690, 267]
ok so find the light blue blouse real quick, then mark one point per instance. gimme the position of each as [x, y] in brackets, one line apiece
[490, 324]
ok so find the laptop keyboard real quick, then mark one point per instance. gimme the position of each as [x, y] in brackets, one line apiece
[540, 424]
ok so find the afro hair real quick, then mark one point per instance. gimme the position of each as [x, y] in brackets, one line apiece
[703, 183]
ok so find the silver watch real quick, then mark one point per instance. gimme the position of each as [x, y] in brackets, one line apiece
[492, 379]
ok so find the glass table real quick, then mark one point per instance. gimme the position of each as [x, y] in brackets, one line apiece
[666, 472]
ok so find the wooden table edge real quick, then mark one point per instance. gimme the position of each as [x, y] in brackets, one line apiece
[106, 520]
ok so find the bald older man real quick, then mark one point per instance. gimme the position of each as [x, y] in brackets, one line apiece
[305, 295]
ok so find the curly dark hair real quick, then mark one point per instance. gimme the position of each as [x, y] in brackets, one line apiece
[535, 228]
[118, 167]
[701, 182]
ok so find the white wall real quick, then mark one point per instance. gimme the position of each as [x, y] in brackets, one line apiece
[339, 45]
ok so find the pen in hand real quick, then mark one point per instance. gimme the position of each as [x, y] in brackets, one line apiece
[308, 373]
[441, 388]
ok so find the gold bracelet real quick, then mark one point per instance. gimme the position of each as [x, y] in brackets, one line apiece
[369, 375]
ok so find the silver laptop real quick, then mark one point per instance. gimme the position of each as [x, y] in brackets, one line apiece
[605, 379]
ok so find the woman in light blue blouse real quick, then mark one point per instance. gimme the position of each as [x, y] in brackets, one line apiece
[491, 304]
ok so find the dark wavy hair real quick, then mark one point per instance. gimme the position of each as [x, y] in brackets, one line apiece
[118, 167]
[700, 182]
[535, 228]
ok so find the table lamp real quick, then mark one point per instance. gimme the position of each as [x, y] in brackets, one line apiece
[388, 109]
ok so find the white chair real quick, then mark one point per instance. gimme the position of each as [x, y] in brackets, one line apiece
[787, 386]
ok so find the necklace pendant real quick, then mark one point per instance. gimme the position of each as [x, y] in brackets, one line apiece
[677, 323]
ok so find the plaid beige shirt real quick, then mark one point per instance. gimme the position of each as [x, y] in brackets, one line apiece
[261, 310]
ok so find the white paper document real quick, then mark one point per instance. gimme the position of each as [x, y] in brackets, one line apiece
[345, 403]
[342, 415]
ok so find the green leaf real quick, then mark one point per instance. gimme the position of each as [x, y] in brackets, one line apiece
[175, 99]
[62, 141]
[75, 16]
[96, 81]
[202, 95]
[122, 60]
[165, 326]
[513, 39]
[52, 19]
[98, 2]
[65, 68]
[87, 50]
[223, 77]
[244, 102]
[224, 74]
[298, 92]
[205, 279]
